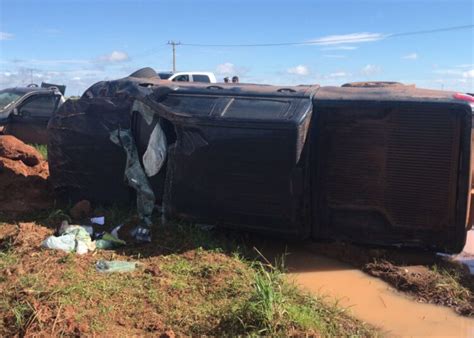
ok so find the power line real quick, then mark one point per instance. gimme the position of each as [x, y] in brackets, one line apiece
[371, 37]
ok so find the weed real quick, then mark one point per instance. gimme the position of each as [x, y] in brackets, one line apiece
[449, 281]
[42, 149]
[178, 265]
[7, 258]
[23, 313]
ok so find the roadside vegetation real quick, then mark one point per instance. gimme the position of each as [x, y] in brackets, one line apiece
[189, 281]
[42, 149]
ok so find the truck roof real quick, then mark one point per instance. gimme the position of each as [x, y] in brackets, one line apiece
[26, 90]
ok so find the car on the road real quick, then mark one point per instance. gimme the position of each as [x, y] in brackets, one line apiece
[25, 111]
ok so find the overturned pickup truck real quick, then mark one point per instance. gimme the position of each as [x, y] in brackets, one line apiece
[387, 166]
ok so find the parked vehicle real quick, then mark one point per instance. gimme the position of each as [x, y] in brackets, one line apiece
[381, 165]
[25, 111]
[205, 77]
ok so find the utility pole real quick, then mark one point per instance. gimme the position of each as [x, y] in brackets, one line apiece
[174, 44]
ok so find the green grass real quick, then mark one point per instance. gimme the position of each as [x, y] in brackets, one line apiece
[42, 149]
[449, 280]
[277, 307]
[200, 285]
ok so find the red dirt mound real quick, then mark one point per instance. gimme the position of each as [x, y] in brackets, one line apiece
[23, 177]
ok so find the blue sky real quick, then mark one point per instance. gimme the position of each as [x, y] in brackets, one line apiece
[80, 42]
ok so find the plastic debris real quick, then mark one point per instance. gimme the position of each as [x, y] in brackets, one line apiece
[115, 231]
[73, 238]
[65, 243]
[137, 179]
[141, 233]
[89, 229]
[155, 154]
[98, 220]
[115, 266]
[108, 241]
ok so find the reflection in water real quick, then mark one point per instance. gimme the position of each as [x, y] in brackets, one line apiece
[373, 300]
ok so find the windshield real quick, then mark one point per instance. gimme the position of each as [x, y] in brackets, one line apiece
[7, 97]
[164, 76]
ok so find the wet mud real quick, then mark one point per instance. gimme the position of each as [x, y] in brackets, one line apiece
[373, 300]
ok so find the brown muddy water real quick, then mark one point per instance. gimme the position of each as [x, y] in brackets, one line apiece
[373, 300]
[368, 298]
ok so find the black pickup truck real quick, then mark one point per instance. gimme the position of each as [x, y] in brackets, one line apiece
[25, 111]
[380, 165]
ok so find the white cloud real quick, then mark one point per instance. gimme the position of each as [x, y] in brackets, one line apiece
[75, 80]
[6, 36]
[468, 74]
[347, 38]
[115, 56]
[370, 70]
[226, 69]
[340, 48]
[411, 56]
[298, 70]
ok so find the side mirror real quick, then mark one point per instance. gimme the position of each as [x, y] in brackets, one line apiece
[15, 111]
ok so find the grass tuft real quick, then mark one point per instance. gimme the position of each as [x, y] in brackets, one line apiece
[42, 149]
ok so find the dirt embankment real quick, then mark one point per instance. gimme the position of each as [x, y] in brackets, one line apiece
[23, 178]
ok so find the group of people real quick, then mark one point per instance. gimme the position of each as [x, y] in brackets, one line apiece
[235, 79]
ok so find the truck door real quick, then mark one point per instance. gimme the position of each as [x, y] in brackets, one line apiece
[31, 118]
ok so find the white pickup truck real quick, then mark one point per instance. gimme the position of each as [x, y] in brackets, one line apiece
[206, 77]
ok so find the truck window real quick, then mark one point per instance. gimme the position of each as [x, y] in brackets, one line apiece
[201, 78]
[181, 78]
[39, 106]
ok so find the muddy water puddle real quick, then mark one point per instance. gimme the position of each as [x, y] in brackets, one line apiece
[373, 300]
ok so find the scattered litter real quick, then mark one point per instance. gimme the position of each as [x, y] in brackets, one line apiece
[89, 229]
[115, 266]
[115, 231]
[467, 261]
[73, 238]
[137, 179]
[108, 241]
[98, 220]
[65, 243]
[466, 257]
[141, 233]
